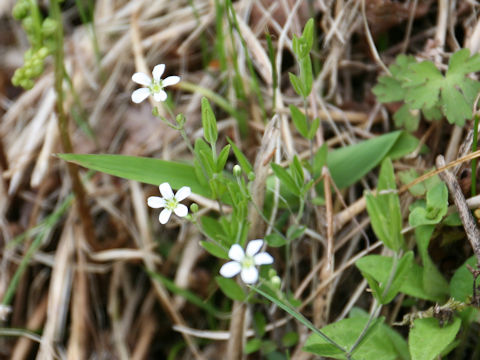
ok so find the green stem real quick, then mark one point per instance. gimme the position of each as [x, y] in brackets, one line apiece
[474, 160]
[77, 186]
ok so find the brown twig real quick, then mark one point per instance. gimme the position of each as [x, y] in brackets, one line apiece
[471, 229]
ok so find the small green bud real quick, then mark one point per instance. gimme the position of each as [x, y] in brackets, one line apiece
[42, 52]
[155, 112]
[27, 24]
[20, 10]
[237, 170]
[251, 176]
[180, 119]
[276, 281]
[49, 26]
[194, 208]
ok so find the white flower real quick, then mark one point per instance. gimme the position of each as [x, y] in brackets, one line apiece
[5, 310]
[245, 262]
[153, 87]
[170, 202]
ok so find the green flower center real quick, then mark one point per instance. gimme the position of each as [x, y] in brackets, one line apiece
[171, 204]
[248, 262]
[156, 86]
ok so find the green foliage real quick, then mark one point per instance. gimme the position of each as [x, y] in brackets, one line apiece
[433, 210]
[379, 268]
[301, 123]
[209, 123]
[384, 209]
[230, 288]
[376, 344]
[389, 285]
[424, 88]
[421, 188]
[146, 170]
[433, 282]
[461, 287]
[428, 339]
[301, 47]
[349, 164]
[186, 294]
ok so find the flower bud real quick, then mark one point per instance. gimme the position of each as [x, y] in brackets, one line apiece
[194, 208]
[237, 170]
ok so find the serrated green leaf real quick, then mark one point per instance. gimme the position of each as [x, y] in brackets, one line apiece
[438, 338]
[388, 89]
[407, 176]
[454, 93]
[455, 106]
[407, 118]
[434, 113]
[230, 288]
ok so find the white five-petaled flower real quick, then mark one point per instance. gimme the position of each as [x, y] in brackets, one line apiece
[169, 202]
[245, 262]
[153, 87]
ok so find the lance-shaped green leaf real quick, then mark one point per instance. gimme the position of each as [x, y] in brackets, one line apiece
[209, 123]
[142, 169]
[384, 209]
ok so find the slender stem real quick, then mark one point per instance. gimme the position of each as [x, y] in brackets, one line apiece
[77, 186]
[474, 160]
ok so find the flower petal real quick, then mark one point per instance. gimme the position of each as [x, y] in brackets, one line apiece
[183, 193]
[140, 94]
[236, 253]
[158, 72]
[156, 202]
[142, 79]
[171, 80]
[254, 246]
[230, 269]
[249, 275]
[160, 96]
[166, 190]
[181, 210]
[263, 258]
[164, 216]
